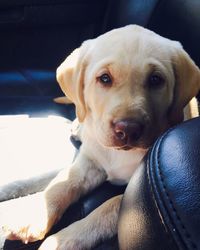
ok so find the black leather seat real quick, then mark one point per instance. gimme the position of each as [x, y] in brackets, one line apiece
[161, 205]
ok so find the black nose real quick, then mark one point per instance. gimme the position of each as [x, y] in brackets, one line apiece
[128, 131]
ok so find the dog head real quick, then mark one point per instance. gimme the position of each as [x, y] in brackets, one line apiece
[129, 85]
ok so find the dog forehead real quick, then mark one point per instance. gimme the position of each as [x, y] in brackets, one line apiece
[129, 42]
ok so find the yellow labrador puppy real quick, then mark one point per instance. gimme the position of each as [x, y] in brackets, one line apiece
[128, 85]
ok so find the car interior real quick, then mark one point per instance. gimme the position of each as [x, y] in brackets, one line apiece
[157, 213]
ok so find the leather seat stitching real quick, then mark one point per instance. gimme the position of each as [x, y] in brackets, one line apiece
[157, 208]
[177, 217]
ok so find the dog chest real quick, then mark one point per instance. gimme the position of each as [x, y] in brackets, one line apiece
[118, 164]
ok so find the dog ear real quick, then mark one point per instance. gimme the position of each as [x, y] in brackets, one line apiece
[187, 83]
[70, 76]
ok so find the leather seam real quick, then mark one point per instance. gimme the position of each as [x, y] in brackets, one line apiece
[157, 206]
[167, 195]
[163, 210]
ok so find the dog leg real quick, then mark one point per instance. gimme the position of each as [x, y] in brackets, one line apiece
[34, 215]
[86, 233]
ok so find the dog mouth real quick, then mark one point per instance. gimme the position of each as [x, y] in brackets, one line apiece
[125, 147]
[126, 141]
[144, 143]
[129, 147]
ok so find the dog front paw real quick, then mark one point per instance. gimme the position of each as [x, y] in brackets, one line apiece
[57, 243]
[73, 237]
[27, 219]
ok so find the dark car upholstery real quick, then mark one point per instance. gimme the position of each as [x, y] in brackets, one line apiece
[36, 36]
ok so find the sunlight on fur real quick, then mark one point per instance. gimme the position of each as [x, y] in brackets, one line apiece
[50, 244]
[30, 201]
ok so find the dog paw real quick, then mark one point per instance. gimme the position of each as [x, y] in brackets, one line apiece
[56, 243]
[26, 219]
[70, 238]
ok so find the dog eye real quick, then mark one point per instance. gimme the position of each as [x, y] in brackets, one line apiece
[155, 81]
[105, 80]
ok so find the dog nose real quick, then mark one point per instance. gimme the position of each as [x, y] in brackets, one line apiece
[128, 131]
